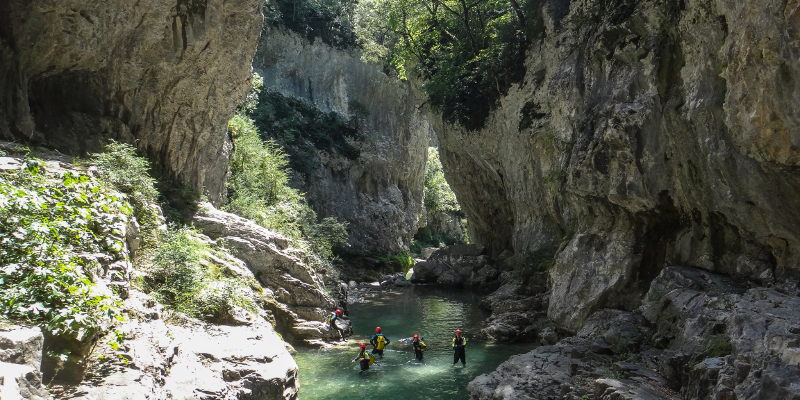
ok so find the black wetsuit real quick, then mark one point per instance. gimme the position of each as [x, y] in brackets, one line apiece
[419, 346]
[459, 350]
[363, 360]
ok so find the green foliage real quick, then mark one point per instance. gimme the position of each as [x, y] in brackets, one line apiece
[258, 189]
[400, 261]
[121, 168]
[181, 274]
[329, 20]
[46, 223]
[469, 53]
[303, 130]
[441, 205]
[717, 346]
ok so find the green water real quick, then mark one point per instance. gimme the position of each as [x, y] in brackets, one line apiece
[434, 314]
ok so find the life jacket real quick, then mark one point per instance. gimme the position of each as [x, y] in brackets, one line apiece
[331, 317]
[420, 345]
[380, 342]
[459, 342]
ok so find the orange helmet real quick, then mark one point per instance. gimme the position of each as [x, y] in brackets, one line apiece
[415, 336]
[362, 345]
[338, 312]
[377, 329]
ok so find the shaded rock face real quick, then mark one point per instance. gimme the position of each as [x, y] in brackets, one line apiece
[163, 75]
[301, 302]
[380, 192]
[697, 335]
[654, 134]
[463, 265]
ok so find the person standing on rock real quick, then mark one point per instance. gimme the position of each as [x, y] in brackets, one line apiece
[459, 348]
[364, 359]
[378, 342]
[332, 317]
[419, 346]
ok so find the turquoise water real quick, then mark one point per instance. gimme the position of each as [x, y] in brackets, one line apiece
[434, 314]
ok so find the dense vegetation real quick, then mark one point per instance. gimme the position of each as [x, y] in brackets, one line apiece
[49, 222]
[303, 130]
[181, 273]
[329, 20]
[258, 186]
[445, 221]
[468, 53]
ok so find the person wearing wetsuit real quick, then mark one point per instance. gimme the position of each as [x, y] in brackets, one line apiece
[337, 314]
[419, 347]
[459, 348]
[378, 342]
[362, 357]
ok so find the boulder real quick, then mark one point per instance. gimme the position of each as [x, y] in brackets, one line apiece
[20, 360]
[301, 302]
[463, 265]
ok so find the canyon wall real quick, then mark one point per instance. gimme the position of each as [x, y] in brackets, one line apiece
[645, 134]
[163, 75]
[379, 193]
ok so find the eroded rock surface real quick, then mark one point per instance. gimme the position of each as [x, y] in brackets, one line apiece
[380, 192]
[165, 75]
[301, 302]
[20, 360]
[463, 265]
[644, 134]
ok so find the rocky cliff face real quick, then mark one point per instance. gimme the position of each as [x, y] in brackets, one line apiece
[163, 75]
[380, 192]
[645, 134]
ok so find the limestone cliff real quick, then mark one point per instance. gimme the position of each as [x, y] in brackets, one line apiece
[645, 134]
[380, 192]
[165, 75]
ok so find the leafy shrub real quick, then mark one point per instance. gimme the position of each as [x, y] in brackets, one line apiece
[46, 224]
[121, 168]
[329, 20]
[303, 130]
[258, 189]
[441, 206]
[179, 272]
[400, 261]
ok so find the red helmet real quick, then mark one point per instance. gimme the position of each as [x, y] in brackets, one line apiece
[377, 329]
[338, 312]
[415, 336]
[458, 330]
[362, 345]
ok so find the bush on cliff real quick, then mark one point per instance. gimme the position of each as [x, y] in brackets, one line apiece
[49, 223]
[258, 189]
[445, 221]
[181, 274]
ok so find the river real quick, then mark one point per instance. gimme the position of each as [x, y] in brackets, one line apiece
[434, 314]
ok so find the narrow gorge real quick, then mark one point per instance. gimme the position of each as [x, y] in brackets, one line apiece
[603, 195]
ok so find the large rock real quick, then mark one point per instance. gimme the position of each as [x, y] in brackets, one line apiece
[743, 343]
[380, 192]
[644, 134]
[301, 302]
[20, 360]
[192, 361]
[461, 265]
[165, 75]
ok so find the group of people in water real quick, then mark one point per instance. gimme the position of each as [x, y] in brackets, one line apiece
[379, 341]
